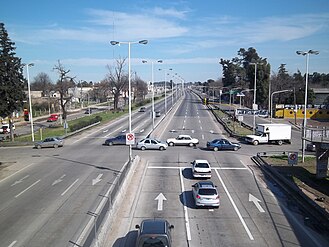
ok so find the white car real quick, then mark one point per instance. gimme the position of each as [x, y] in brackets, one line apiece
[5, 128]
[183, 140]
[201, 169]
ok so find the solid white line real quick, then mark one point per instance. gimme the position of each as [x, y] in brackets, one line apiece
[69, 187]
[15, 173]
[187, 223]
[12, 244]
[27, 188]
[235, 207]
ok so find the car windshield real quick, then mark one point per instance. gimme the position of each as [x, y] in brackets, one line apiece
[158, 241]
[207, 192]
[202, 165]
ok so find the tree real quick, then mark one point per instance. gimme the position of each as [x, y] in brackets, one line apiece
[43, 83]
[116, 80]
[63, 84]
[12, 82]
[140, 89]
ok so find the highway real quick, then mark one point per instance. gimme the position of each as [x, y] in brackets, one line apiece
[48, 195]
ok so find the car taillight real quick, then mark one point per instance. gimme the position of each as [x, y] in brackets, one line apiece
[198, 197]
[217, 197]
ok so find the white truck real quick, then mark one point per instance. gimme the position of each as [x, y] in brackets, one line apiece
[267, 133]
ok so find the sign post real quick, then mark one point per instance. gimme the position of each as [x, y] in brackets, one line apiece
[292, 158]
[130, 139]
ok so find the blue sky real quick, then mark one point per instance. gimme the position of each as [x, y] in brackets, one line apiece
[189, 36]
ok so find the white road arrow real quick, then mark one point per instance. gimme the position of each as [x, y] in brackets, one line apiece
[98, 179]
[256, 202]
[58, 180]
[20, 181]
[160, 198]
[142, 130]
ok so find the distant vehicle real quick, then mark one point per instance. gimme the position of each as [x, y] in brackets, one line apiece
[267, 133]
[154, 232]
[118, 140]
[54, 142]
[205, 194]
[150, 143]
[310, 147]
[183, 140]
[223, 144]
[5, 128]
[142, 109]
[88, 111]
[53, 118]
[201, 169]
[157, 114]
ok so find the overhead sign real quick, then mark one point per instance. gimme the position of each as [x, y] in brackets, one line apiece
[130, 139]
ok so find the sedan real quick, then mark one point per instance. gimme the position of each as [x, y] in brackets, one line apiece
[119, 140]
[201, 169]
[50, 142]
[150, 143]
[205, 194]
[183, 140]
[223, 144]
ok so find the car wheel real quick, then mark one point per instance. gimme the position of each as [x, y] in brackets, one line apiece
[55, 146]
[171, 144]
[255, 143]
[143, 148]
[39, 147]
[110, 143]
[191, 144]
[216, 149]
[280, 143]
[235, 148]
[161, 148]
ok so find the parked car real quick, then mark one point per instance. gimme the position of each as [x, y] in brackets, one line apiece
[54, 142]
[150, 143]
[201, 169]
[310, 147]
[118, 140]
[53, 118]
[182, 140]
[205, 194]
[157, 114]
[88, 111]
[223, 144]
[154, 232]
[5, 128]
[142, 109]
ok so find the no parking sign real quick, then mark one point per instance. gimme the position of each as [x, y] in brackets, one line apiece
[130, 139]
[293, 158]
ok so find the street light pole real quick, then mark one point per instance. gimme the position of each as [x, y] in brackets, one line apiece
[271, 100]
[30, 101]
[254, 103]
[307, 54]
[144, 42]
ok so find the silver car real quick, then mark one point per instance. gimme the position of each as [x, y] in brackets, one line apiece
[150, 143]
[205, 194]
[54, 142]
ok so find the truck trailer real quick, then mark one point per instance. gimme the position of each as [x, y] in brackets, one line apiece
[269, 133]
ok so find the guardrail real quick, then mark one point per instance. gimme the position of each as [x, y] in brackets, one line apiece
[315, 215]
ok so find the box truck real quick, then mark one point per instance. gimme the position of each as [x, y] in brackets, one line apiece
[267, 133]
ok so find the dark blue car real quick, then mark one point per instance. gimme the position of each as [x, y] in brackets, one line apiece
[223, 144]
[119, 140]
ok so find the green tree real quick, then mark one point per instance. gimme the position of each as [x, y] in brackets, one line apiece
[12, 82]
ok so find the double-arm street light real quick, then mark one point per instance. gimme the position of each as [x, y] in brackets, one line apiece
[144, 42]
[30, 101]
[152, 79]
[307, 54]
[255, 90]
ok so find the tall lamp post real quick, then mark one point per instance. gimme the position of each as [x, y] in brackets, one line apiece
[307, 54]
[30, 101]
[271, 100]
[255, 90]
[144, 42]
[165, 87]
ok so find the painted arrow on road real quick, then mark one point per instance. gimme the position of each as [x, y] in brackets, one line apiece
[58, 180]
[256, 201]
[20, 181]
[160, 198]
[98, 179]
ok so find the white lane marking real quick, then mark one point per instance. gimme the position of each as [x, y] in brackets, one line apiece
[187, 223]
[58, 180]
[27, 188]
[160, 198]
[69, 187]
[246, 166]
[98, 179]
[256, 201]
[16, 172]
[19, 181]
[199, 121]
[202, 136]
[178, 167]
[235, 207]
[12, 244]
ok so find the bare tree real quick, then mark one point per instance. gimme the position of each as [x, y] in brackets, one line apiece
[42, 82]
[63, 84]
[116, 80]
[139, 88]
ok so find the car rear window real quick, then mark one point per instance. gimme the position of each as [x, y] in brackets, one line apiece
[202, 165]
[207, 192]
[156, 241]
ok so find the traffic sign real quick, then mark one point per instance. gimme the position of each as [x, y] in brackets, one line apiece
[130, 139]
[292, 158]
